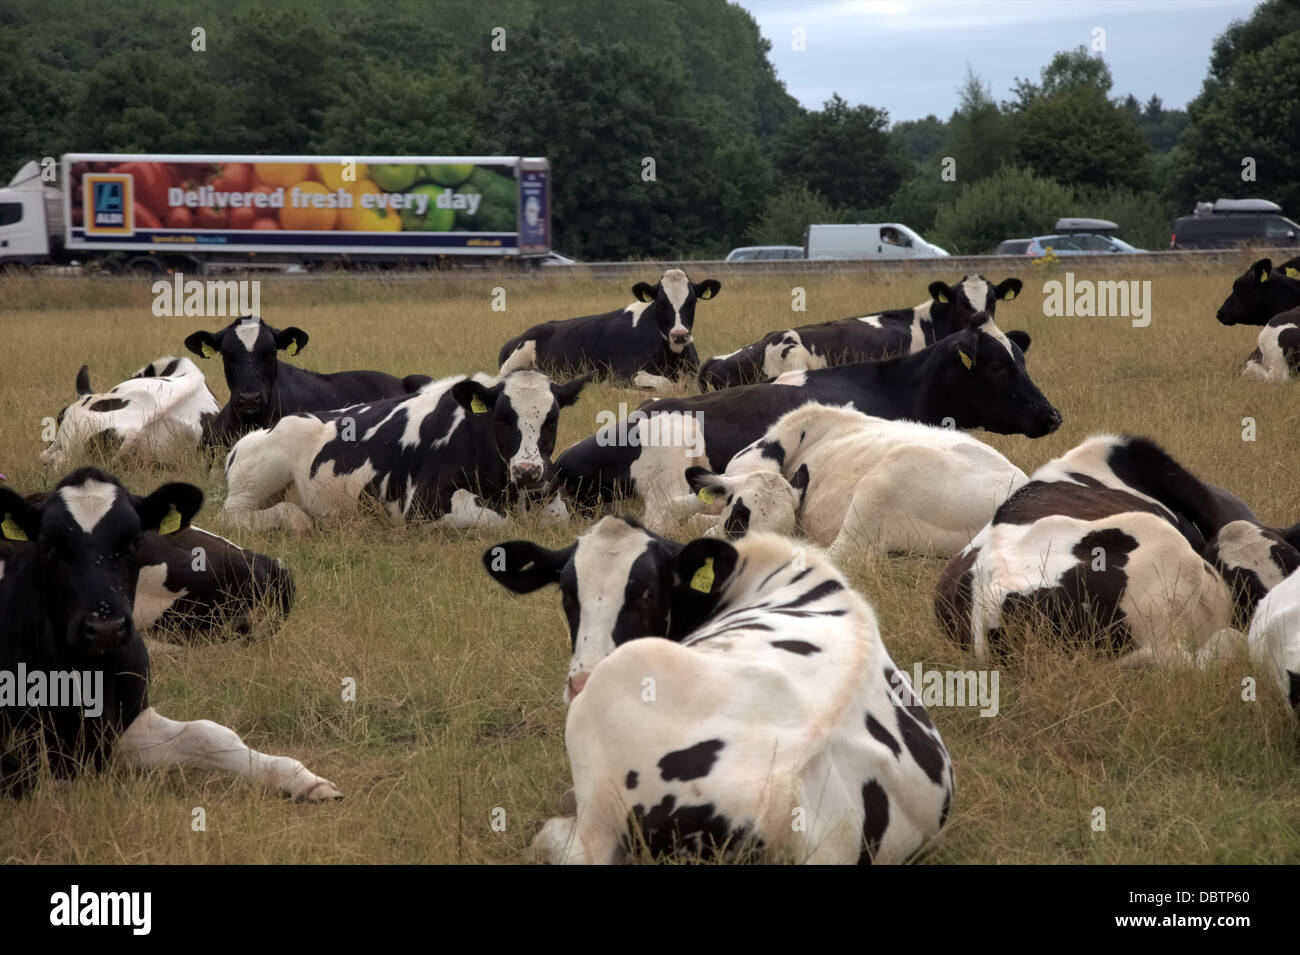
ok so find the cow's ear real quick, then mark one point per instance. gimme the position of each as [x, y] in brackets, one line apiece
[83, 381]
[169, 508]
[700, 574]
[474, 397]
[1021, 338]
[707, 289]
[204, 344]
[1261, 269]
[291, 341]
[706, 485]
[1008, 289]
[19, 521]
[522, 566]
[644, 292]
[940, 292]
[567, 393]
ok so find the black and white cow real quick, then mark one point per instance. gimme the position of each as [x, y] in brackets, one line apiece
[193, 583]
[1262, 292]
[1277, 353]
[901, 331]
[973, 379]
[164, 406]
[460, 450]
[772, 698]
[66, 605]
[650, 342]
[1274, 637]
[851, 482]
[263, 388]
[1107, 546]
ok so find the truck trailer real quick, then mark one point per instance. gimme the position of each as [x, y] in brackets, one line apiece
[165, 213]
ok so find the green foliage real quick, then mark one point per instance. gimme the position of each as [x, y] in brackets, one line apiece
[1011, 203]
[1080, 137]
[844, 153]
[789, 214]
[920, 138]
[1144, 218]
[980, 136]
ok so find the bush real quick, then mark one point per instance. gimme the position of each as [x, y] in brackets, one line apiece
[789, 215]
[1011, 203]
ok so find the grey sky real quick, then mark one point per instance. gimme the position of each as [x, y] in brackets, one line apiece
[909, 56]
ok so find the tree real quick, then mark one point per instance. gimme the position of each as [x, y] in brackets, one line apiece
[1068, 70]
[788, 216]
[980, 137]
[920, 138]
[1077, 136]
[1009, 204]
[842, 152]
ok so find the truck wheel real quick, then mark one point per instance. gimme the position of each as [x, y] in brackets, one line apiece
[145, 265]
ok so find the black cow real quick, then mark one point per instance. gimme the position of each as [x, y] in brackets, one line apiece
[649, 342]
[973, 379]
[264, 389]
[1262, 292]
[74, 670]
[873, 337]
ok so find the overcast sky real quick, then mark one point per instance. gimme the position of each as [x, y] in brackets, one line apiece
[909, 56]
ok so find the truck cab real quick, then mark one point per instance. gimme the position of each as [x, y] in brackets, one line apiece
[30, 219]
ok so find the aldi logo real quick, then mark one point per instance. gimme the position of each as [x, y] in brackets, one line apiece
[108, 203]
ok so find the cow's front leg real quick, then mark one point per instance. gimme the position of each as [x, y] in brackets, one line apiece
[562, 841]
[467, 511]
[644, 379]
[153, 741]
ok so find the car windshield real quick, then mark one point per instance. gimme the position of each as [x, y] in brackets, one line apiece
[1123, 246]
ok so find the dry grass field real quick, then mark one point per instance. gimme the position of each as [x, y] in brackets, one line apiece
[458, 708]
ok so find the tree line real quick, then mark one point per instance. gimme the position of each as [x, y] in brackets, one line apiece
[668, 131]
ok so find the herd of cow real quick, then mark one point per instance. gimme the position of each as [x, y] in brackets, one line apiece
[801, 453]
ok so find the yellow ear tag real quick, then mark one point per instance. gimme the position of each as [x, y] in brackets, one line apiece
[1011, 293]
[1263, 276]
[171, 523]
[705, 495]
[11, 529]
[943, 298]
[1293, 273]
[292, 349]
[477, 406]
[208, 350]
[966, 359]
[703, 579]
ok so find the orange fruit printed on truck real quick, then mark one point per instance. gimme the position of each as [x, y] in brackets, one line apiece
[307, 217]
[282, 173]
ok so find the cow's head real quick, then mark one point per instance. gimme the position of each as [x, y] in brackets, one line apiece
[752, 500]
[86, 537]
[1252, 561]
[249, 355]
[673, 300]
[617, 582]
[952, 307]
[1260, 293]
[981, 382]
[525, 409]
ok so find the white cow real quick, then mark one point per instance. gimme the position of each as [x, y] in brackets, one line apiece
[722, 693]
[1274, 637]
[848, 481]
[164, 406]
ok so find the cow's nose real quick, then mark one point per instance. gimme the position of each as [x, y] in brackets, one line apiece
[576, 683]
[104, 632]
[1053, 420]
[527, 474]
[681, 338]
[1224, 318]
[248, 399]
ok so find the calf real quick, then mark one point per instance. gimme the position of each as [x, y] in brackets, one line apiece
[889, 334]
[850, 481]
[1277, 355]
[772, 693]
[1274, 637]
[164, 406]
[458, 451]
[66, 605]
[1262, 292]
[975, 378]
[649, 342]
[1107, 547]
[263, 389]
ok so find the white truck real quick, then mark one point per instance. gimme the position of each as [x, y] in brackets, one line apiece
[877, 240]
[161, 213]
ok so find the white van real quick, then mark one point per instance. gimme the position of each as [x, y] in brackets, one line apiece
[882, 240]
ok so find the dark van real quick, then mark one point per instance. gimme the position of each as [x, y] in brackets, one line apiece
[1226, 223]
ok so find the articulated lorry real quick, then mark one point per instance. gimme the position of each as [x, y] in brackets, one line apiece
[164, 213]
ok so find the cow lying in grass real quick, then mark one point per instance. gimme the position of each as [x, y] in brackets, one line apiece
[1274, 637]
[1277, 351]
[66, 605]
[849, 482]
[163, 407]
[1262, 292]
[772, 701]
[1117, 547]
[459, 451]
